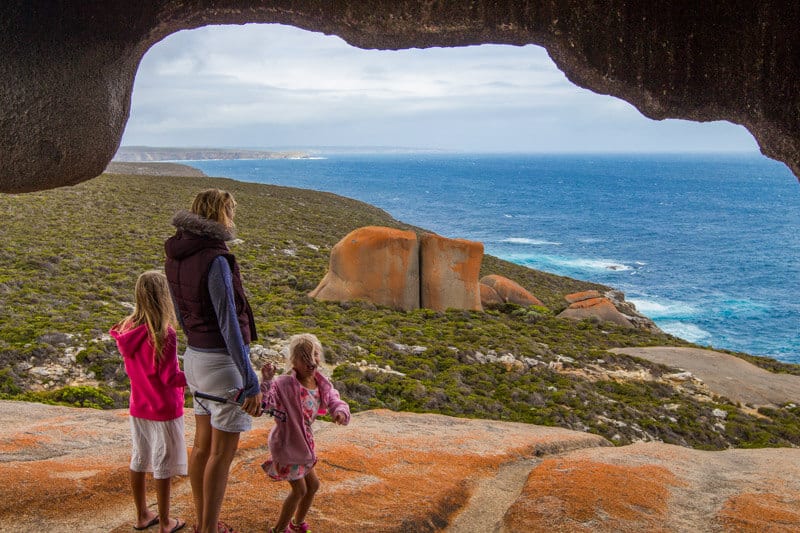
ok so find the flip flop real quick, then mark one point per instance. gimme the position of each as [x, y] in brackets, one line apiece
[178, 525]
[222, 527]
[150, 524]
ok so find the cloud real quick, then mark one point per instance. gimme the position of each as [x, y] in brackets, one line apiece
[259, 84]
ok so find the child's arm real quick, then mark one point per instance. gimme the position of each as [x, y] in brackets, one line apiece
[269, 390]
[171, 373]
[267, 374]
[338, 408]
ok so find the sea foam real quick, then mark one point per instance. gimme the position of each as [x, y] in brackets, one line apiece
[534, 242]
[685, 331]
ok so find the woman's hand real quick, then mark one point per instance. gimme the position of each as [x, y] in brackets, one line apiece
[252, 405]
[267, 372]
[339, 418]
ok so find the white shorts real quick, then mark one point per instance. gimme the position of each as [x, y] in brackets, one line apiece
[158, 447]
[215, 373]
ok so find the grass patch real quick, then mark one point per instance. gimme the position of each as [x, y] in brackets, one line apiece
[71, 257]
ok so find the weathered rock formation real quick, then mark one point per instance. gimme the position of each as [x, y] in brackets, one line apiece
[608, 307]
[658, 487]
[499, 289]
[489, 296]
[600, 308]
[67, 68]
[374, 263]
[391, 471]
[449, 271]
[392, 267]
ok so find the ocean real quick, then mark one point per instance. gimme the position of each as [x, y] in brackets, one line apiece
[708, 246]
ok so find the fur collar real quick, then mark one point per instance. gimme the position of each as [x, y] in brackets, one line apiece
[188, 221]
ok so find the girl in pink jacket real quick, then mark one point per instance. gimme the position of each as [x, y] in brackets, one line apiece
[147, 341]
[301, 395]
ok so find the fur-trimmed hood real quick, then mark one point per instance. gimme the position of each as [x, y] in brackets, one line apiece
[188, 221]
[195, 233]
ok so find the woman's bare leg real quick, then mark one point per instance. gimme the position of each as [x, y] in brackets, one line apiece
[197, 464]
[215, 480]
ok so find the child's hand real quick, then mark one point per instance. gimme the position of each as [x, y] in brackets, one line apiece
[339, 418]
[268, 372]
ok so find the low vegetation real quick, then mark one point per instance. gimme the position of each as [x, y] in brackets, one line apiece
[71, 257]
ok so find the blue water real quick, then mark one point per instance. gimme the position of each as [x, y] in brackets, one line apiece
[705, 245]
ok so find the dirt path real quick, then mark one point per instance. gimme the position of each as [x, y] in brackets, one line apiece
[484, 511]
[725, 374]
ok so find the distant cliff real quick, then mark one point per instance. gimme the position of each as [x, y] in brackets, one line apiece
[136, 154]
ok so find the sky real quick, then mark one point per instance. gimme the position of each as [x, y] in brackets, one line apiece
[270, 86]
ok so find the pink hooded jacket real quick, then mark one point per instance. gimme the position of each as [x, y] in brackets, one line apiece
[287, 440]
[156, 389]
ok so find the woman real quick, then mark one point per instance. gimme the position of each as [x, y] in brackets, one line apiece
[218, 321]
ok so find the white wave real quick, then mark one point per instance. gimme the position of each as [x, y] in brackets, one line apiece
[589, 240]
[663, 309]
[684, 330]
[508, 216]
[535, 242]
[565, 266]
[592, 264]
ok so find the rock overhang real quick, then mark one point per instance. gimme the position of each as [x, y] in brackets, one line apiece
[68, 68]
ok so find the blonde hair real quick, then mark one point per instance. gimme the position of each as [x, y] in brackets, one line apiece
[304, 348]
[153, 307]
[216, 205]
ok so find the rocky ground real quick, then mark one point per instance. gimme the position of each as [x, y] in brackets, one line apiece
[725, 374]
[65, 469]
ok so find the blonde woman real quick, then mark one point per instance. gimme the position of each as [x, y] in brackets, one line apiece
[215, 315]
[147, 341]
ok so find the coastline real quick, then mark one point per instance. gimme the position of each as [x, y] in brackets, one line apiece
[635, 224]
[507, 363]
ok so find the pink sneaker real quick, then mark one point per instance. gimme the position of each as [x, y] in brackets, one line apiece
[302, 528]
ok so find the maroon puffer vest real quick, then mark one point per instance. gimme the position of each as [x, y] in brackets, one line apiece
[189, 258]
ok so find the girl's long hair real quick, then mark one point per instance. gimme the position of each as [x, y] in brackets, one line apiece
[304, 348]
[153, 307]
[216, 205]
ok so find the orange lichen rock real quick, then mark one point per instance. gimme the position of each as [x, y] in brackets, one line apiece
[449, 270]
[761, 512]
[583, 295]
[587, 305]
[392, 267]
[489, 296]
[587, 496]
[66, 469]
[509, 291]
[374, 263]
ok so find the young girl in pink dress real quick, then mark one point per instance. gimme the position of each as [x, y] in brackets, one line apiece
[148, 344]
[301, 394]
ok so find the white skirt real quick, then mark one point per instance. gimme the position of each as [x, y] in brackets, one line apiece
[216, 373]
[158, 447]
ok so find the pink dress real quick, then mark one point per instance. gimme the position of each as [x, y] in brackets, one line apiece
[309, 400]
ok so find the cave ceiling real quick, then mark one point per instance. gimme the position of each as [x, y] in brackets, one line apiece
[68, 67]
